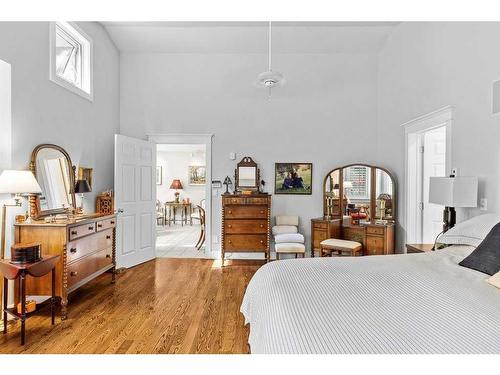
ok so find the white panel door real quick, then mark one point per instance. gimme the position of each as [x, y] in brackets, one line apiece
[135, 192]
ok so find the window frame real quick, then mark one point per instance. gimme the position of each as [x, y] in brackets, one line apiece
[87, 52]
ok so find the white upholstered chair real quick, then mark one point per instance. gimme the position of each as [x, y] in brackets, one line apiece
[287, 239]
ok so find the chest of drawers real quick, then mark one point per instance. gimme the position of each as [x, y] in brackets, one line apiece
[86, 248]
[246, 224]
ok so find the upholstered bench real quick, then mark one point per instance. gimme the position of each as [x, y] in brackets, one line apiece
[331, 245]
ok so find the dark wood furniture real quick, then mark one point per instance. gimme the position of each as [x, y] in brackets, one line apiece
[418, 247]
[246, 224]
[86, 248]
[201, 239]
[362, 187]
[186, 211]
[246, 175]
[21, 272]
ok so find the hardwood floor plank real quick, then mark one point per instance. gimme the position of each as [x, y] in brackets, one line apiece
[166, 305]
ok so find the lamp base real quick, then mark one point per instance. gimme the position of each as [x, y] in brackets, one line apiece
[449, 218]
[177, 196]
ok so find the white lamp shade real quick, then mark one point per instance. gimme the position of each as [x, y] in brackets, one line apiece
[18, 182]
[453, 191]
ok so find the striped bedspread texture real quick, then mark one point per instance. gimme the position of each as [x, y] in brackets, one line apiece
[408, 303]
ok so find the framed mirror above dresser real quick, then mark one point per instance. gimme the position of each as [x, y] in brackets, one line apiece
[359, 204]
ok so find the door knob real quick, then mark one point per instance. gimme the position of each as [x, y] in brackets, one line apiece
[73, 273]
[120, 210]
[72, 250]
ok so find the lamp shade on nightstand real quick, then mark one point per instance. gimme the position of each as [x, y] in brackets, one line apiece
[453, 191]
[18, 182]
[176, 184]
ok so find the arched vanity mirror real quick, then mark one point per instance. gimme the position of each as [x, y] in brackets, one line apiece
[359, 204]
[55, 174]
[367, 189]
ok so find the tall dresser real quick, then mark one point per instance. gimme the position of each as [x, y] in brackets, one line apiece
[246, 224]
[86, 247]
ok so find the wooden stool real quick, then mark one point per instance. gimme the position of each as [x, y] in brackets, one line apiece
[331, 245]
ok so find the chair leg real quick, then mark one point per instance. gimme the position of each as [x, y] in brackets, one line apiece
[277, 256]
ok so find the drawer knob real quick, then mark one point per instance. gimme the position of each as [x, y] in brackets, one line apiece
[229, 226]
[111, 222]
[99, 225]
[74, 232]
[261, 241]
[108, 237]
[262, 225]
[72, 250]
[229, 241]
[91, 227]
[73, 273]
[108, 255]
[229, 212]
[261, 211]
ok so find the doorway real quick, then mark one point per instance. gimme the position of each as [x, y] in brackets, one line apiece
[183, 195]
[428, 143]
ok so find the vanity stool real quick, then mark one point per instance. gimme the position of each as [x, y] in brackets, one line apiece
[333, 245]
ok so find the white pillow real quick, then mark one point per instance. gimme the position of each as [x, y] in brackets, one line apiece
[289, 237]
[282, 229]
[470, 232]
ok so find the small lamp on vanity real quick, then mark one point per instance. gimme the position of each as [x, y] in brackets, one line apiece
[177, 185]
[81, 187]
[452, 192]
[16, 183]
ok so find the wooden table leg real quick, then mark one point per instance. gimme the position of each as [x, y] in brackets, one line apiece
[5, 291]
[53, 297]
[22, 282]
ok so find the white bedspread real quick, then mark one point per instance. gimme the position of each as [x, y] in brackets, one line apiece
[412, 303]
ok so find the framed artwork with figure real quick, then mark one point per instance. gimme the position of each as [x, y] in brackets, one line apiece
[293, 178]
[197, 175]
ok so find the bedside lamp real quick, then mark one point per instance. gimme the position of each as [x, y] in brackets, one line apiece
[177, 185]
[81, 187]
[16, 183]
[452, 192]
[227, 182]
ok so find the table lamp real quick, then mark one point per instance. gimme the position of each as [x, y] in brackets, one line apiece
[81, 187]
[16, 183]
[227, 182]
[452, 192]
[177, 185]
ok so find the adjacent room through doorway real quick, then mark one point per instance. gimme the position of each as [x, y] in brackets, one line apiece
[181, 200]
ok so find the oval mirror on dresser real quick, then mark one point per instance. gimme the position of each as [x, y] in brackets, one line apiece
[359, 204]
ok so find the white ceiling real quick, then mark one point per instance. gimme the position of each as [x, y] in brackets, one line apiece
[249, 37]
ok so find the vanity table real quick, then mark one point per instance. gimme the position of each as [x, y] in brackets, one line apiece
[365, 189]
[85, 244]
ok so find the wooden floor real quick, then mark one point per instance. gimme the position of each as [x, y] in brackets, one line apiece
[163, 306]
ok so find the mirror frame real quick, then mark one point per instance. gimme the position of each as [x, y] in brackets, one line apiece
[373, 198]
[247, 161]
[35, 200]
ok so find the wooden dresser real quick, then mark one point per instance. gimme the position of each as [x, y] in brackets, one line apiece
[246, 224]
[86, 247]
[376, 239]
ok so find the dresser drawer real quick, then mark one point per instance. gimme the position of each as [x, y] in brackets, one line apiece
[318, 236]
[234, 200]
[87, 245]
[374, 245]
[257, 200]
[81, 230]
[106, 224]
[245, 212]
[375, 230]
[320, 225]
[77, 271]
[246, 242]
[243, 226]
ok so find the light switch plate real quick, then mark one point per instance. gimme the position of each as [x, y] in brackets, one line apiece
[232, 155]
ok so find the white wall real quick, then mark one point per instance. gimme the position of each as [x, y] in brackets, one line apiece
[44, 112]
[325, 114]
[175, 166]
[426, 66]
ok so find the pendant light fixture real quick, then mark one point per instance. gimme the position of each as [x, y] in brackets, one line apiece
[270, 78]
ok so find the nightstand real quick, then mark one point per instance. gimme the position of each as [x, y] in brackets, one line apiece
[418, 247]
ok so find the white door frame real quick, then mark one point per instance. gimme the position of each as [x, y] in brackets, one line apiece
[435, 119]
[205, 139]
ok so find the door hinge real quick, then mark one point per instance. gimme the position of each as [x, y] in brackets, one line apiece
[421, 149]
[421, 206]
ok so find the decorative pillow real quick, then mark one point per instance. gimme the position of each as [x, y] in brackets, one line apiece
[494, 280]
[283, 229]
[470, 232]
[486, 258]
[289, 237]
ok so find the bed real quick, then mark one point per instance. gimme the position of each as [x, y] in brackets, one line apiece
[408, 303]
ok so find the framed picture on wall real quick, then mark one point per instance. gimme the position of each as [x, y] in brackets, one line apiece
[86, 174]
[293, 178]
[197, 175]
[159, 175]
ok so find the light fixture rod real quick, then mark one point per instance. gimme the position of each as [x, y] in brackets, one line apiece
[270, 45]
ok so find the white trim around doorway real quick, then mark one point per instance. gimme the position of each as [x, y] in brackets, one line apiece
[205, 139]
